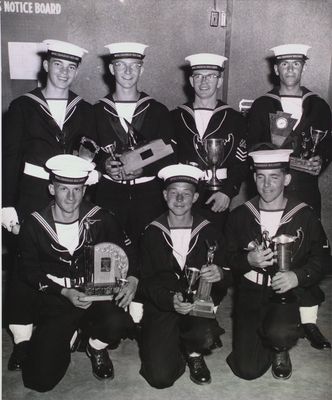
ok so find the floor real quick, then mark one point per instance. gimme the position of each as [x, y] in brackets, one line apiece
[311, 379]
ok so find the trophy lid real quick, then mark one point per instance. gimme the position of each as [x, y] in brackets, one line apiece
[284, 239]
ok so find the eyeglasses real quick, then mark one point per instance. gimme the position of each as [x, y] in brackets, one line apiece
[208, 78]
[121, 66]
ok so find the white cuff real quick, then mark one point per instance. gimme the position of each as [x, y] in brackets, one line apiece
[9, 218]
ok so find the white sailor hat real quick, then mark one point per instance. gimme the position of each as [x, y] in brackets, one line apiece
[64, 50]
[271, 159]
[206, 61]
[180, 173]
[127, 50]
[291, 51]
[69, 169]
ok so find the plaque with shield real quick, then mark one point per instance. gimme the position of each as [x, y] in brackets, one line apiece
[106, 267]
[308, 149]
[281, 125]
[203, 305]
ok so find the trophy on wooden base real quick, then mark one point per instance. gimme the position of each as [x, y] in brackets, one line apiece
[106, 267]
[203, 305]
[308, 150]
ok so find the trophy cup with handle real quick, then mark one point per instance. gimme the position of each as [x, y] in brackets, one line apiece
[308, 150]
[192, 275]
[214, 148]
[317, 136]
[88, 149]
[203, 303]
[284, 247]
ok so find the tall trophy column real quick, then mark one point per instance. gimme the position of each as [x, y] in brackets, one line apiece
[284, 246]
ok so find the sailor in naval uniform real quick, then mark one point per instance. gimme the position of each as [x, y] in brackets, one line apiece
[41, 124]
[126, 118]
[52, 262]
[205, 118]
[266, 328]
[307, 111]
[175, 241]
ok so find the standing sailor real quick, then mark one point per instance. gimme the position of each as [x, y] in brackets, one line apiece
[41, 124]
[207, 117]
[307, 111]
[126, 118]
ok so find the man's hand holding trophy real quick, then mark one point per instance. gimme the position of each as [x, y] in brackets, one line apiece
[198, 301]
[308, 160]
[126, 163]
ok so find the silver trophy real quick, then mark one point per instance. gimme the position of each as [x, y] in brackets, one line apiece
[316, 136]
[203, 305]
[284, 247]
[308, 149]
[88, 149]
[192, 275]
[215, 155]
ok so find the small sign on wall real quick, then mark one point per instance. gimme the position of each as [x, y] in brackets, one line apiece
[25, 60]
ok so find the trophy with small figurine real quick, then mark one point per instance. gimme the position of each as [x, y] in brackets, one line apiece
[308, 149]
[203, 305]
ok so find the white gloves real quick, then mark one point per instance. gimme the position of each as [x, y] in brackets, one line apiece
[93, 178]
[9, 219]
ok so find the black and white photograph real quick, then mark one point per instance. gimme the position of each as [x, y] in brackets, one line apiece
[195, 137]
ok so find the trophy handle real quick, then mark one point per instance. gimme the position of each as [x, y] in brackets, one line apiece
[299, 236]
[230, 139]
[316, 138]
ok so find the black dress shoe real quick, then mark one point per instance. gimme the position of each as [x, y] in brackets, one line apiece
[102, 367]
[19, 354]
[281, 365]
[199, 372]
[315, 337]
